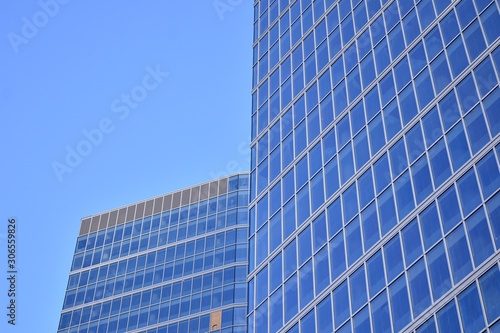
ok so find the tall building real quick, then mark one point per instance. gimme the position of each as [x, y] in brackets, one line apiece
[374, 199]
[175, 263]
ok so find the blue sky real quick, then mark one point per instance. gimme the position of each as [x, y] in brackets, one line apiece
[103, 104]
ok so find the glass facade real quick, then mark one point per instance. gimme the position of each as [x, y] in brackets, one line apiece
[374, 184]
[176, 263]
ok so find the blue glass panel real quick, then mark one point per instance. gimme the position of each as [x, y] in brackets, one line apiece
[276, 310]
[423, 85]
[377, 135]
[307, 322]
[489, 176]
[337, 255]
[370, 226]
[457, 143]
[353, 239]
[459, 254]
[341, 304]
[476, 129]
[321, 270]
[400, 306]
[470, 310]
[466, 12]
[393, 258]
[331, 177]
[367, 70]
[426, 12]
[438, 271]
[490, 19]
[433, 43]
[440, 73]
[469, 192]
[448, 108]
[324, 314]
[491, 106]
[485, 77]
[320, 235]
[432, 127]
[411, 26]
[408, 104]
[447, 318]
[474, 40]
[479, 236]
[357, 285]
[439, 163]
[449, 27]
[414, 142]
[493, 206]
[304, 245]
[396, 41]
[411, 242]
[419, 288]
[362, 321]
[376, 277]
[448, 207]
[290, 259]
[306, 284]
[334, 217]
[361, 150]
[346, 163]
[291, 298]
[380, 314]
[303, 209]
[404, 195]
[387, 211]
[350, 203]
[421, 179]
[490, 290]
[399, 161]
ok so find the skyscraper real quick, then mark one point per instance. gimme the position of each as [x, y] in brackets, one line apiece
[175, 263]
[374, 199]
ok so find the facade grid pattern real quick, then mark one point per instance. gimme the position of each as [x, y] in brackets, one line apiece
[164, 272]
[374, 185]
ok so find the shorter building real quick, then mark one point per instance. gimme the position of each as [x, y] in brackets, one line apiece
[175, 263]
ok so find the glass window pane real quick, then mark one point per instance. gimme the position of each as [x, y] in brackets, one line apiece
[419, 287]
[387, 211]
[469, 192]
[337, 255]
[490, 290]
[399, 304]
[438, 271]
[411, 242]
[489, 176]
[376, 277]
[448, 319]
[341, 304]
[470, 310]
[357, 284]
[479, 235]
[459, 254]
[324, 314]
[380, 314]
[393, 258]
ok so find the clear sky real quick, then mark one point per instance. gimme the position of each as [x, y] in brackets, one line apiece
[103, 104]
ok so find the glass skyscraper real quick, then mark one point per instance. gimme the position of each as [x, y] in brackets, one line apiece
[374, 185]
[175, 263]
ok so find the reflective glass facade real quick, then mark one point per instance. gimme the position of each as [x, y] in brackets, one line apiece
[374, 185]
[176, 263]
